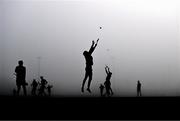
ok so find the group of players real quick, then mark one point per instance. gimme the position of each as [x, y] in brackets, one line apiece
[89, 73]
[20, 72]
[38, 88]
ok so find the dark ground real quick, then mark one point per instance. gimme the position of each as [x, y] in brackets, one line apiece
[90, 108]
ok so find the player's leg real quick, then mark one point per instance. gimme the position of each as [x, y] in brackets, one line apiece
[89, 81]
[24, 89]
[84, 80]
[18, 89]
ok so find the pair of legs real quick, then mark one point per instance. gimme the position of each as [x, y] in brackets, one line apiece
[19, 88]
[33, 92]
[109, 91]
[42, 91]
[101, 92]
[87, 74]
[139, 93]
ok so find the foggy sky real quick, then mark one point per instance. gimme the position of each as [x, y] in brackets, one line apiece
[139, 40]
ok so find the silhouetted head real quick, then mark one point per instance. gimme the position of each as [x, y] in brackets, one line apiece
[41, 77]
[20, 63]
[85, 53]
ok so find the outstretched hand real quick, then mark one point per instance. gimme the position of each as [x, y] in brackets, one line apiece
[106, 66]
[93, 42]
[97, 40]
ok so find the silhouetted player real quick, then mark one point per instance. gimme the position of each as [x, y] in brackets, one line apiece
[89, 63]
[20, 71]
[42, 86]
[14, 92]
[107, 83]
[139, 89]
[49, 89]
[101, 87]
[34, 87]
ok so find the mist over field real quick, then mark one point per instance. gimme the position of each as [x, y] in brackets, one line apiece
[139, 40]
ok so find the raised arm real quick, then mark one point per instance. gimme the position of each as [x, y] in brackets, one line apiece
[91, 50]
[106, 70]
[96, 43]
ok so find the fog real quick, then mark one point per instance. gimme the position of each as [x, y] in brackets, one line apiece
[139, 40]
